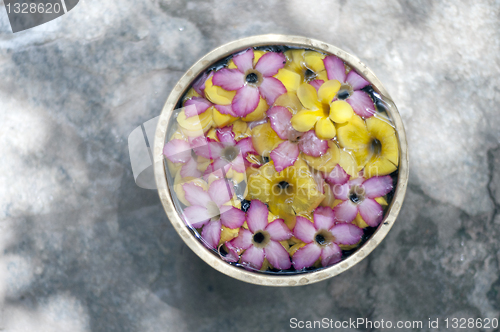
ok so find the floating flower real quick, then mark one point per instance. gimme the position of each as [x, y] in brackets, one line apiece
[287, 152]
[289, 192]
[301, 67]
[358, 196]
[322, 239]
[373, 143]
[210, 210]
[179, 151]
[261, 239]
[351, 85]
[319, 111]
[251, 82]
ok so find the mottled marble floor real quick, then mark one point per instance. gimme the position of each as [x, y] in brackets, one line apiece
[84, 249]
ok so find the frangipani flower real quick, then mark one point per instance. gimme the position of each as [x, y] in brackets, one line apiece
[287, 152]
[251, 82]
[301, 67]
[319, 111]
[351, 85]
[358, 196]
[261, 239]
[210, 210]
[322, 239]
[373, 143]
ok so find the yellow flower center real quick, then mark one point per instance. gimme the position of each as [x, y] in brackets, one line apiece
[323, 238]
[261, 239]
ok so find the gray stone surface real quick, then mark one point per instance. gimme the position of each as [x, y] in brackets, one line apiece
[84, 249]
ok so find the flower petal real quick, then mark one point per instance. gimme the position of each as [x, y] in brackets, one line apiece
[324, 218]
[341, 191]
[317, 84]
[231, 217]
[220, 191]
[356, 81]
[270, 63]
[277, 255]
[371, 212]
[346, 234]
[271, 88]
[362, 104]
[231, 256]
[340, 111]
[305, 120]
[210, 150]
[345, 211]
[211, 234]
[196, 216]
[238, 163]
[245, 101]
[328, 91]
[377, 186]
[257, 216]
[278, 230]
[306, 256]
[280, 118]
[225, 109]
[199, 84]
[331, 254]
[200, 106]
[308, 96]
[311, 145]
[226, 135]
[243, 240]
[177, 151]
[246, 146]
[337, 176]
[229, 79]
[195, 195]
[253, 257]
[325, 129]
[284, 155]
[244, 60]
[190, 169]
[335, 68]
[304, 230]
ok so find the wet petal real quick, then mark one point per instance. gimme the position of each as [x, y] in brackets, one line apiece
[306, 256]
[257, 216]
[270, 63]
[232, 255]
[304, 230]
[340, 191]
[311, 145]
[328, 91]
[271, 88]
[346, 234]
[211, 150]
[284, 155]
[323, 217]
[195, 195]
[177, 151]
[340, 111]
[325, 129]
[278, 230]
[196, 216]
[308, 96]
[277, 255]
[245, 101]
[280, 118]
[317, 84]
[356, 81]
[345, 211]
[246, 146]
[290, 79]
[231, 217]
[225, 135]
[331, 254]
[229, 79]
[377, 186]
[238, 164]
[200, 106]
[253, 257]
[220, 191]
[353, 135]
[244, 60]
[211, 234]
[190, 169]
[335, 68]
[244, 239]
[199, 84]
[371, 212]
[225, 109]
[337, 176]
[305, 120]
[362, 104]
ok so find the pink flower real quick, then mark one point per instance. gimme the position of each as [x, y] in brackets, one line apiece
[351, 85]
[322, 239]
[208, 210]
[286, 153]
[358, 196]
[251, 82]
[261, 239]
[227, 153]
[179, 151]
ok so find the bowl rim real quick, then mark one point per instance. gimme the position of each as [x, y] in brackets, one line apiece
[166, 198]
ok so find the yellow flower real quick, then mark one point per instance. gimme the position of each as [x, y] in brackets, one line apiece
[319, 111]
[302, 66]
[373, 143]
[289, 192]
